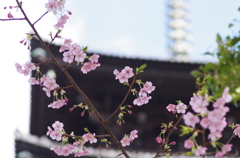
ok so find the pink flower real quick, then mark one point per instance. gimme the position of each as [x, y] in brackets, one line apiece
[226, 148]
[237, 131]
[125, 141]
[60, 4]
[49, 131]
[148, 87]
[220, 102]
[67, 149]
[200, 151]
[58, 126]
[51, 5]
[171, 107]
[9, 15]
[50, 83]
[94, 58]
[214, 135]
[47, 91]
[219, 154]
[33, 81]
[80, 56]
[88, 66]
[227, 97]
[181, 108]
[56, 135]
[57, 104]
[133, 134]
[204, 122]
[188, 144]
[63, 19]
[68, 57]
[124, 75]
[158, 140]
[56, 149]
[141, 100]
[128, 72]
[67, 42]
[190, 119]
[89, 137]
[63, 48]
[75, 48]
[199, 104]
[18, 67]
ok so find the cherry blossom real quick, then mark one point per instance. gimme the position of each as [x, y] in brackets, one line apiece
[124, 75]
[171, 107]
[200, 151]
[133, 134]
[141, 100]
[89, 137]
[68, 57]
[190, 119]
[158, 140]
[148, 87]
[199, 104]
[237, 131]
[181, 108]
[58, 126]
[57, 104]
[125, 141]
[51, 5]
[227, 97]
[188, 144]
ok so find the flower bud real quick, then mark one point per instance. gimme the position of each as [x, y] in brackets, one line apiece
[173, 143]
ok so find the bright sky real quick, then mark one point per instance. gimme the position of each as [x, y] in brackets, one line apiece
[121, 27]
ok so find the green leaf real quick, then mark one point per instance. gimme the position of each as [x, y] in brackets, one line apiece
[141, 68]
[219, 39]
[208, 53]
[230, 25]
[85, 48]
[195, 73]
[185, 130]
[190, 153]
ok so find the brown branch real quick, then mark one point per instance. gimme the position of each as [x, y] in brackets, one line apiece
[98, 136]
[12, 19]
[74, 84]
[125, 98]
[68, 66]
[44, 62]
[52, 39]
[64, 87]
[40, 18]
[230, 139]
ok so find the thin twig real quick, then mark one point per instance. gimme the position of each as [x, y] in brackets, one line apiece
[40, 18]
[169, 134]
[125, 98]
[12, 19]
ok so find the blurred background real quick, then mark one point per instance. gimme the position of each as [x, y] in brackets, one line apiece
[152, 30]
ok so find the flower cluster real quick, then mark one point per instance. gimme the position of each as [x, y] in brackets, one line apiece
[124, 75]
[180, 108]
[74, 52]
[58, 5]
[143, 96]
[25, 69]
[214, 120]
[56, 134]
[9, 15]
[127, 139]
[65, 149]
